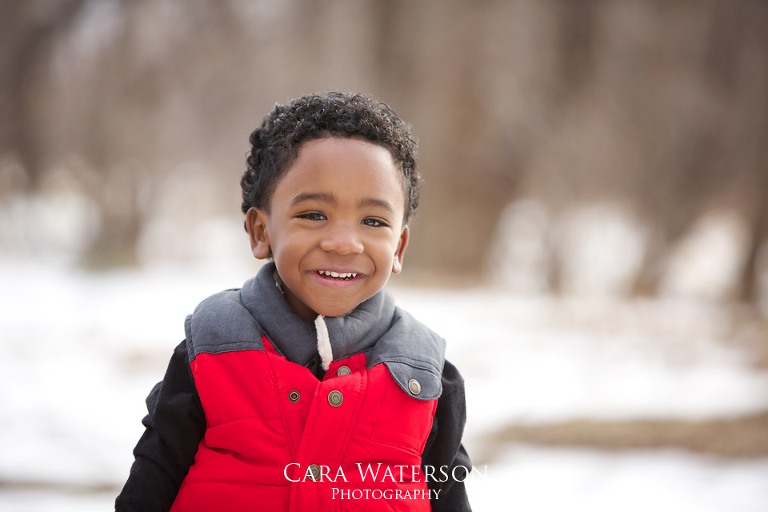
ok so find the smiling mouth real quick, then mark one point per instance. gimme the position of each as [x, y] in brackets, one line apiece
[342, 276]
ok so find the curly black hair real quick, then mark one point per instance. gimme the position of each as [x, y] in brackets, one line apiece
[275, 145]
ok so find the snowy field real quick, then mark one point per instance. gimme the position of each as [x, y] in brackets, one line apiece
[81, 351]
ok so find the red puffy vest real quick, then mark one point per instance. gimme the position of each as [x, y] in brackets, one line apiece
[279, 439]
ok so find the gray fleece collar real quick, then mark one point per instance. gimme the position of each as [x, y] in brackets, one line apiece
[235, 320]
[353, 333]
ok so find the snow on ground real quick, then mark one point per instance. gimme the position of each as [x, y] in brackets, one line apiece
[81, 351]
[537, 480]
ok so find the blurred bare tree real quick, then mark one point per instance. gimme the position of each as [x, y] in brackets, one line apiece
[661, 104]
[27, 35]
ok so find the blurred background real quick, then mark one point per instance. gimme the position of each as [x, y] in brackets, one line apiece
[592, 237]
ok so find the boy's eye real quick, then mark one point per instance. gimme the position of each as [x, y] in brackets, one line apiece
[312, 216]
[374, 222]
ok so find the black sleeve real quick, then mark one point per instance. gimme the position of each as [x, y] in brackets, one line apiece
[174, 427]
[444, 448]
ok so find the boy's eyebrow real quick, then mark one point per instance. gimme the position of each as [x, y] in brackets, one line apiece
[329, 198]
[372, 201]
[313, 196]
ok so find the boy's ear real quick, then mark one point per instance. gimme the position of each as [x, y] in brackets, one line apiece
[397, 264]
[256, 224]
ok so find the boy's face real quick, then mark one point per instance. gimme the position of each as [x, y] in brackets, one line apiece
[334, 226]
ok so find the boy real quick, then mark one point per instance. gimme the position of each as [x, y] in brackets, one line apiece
[308, 389]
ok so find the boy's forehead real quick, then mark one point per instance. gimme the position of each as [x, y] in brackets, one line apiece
[342, 165]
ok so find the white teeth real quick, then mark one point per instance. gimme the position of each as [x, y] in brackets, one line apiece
[342, 275]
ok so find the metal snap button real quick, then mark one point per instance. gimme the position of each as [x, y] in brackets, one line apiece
[294, 396]
[313, 472]
[335, 398]
[414, 387]
[343, 370]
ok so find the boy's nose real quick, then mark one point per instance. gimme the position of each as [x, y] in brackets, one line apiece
[342, 240]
